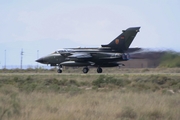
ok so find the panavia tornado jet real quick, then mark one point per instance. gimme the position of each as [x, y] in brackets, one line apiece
[108, 55]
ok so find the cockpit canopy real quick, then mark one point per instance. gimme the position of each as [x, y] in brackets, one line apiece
[60, 51]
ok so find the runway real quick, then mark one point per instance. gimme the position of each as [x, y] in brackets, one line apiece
[88, 74]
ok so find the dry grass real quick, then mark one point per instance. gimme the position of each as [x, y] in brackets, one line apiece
[73, 97]
[93, 105]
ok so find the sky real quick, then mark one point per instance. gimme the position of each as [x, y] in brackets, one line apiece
[39, 27]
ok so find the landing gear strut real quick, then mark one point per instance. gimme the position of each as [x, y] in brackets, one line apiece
[85, 70]
[99, 70]
[59, 69]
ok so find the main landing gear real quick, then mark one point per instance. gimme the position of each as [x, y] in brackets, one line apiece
[99, 70]
[86, 69]
[59, 69]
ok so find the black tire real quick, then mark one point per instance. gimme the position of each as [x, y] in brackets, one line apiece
[59, 71]
[99, 70]
[85, 70]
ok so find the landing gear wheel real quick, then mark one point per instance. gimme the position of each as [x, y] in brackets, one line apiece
[85, 70]
[99, 70]
[59, 71]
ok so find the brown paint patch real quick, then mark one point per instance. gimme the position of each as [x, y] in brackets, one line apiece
[117, 41]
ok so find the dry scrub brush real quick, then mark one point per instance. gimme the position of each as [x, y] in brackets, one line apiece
[107, 97]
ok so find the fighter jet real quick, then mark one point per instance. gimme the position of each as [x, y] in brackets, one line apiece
[108, 55]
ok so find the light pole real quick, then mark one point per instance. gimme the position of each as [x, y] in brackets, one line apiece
[5, 59]
[21, 57]
[37, 57]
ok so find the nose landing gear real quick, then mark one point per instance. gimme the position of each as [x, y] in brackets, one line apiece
[59, 69]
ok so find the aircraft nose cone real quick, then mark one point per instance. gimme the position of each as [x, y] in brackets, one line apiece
[40, 60]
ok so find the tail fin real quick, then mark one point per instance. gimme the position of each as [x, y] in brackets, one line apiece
[124, 40]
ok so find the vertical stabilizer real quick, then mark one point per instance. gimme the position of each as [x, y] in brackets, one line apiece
[124, 40]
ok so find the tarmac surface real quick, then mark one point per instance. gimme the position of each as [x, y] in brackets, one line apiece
[88, 74]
